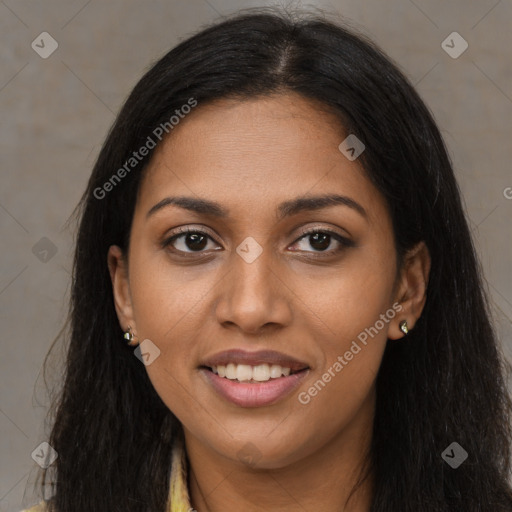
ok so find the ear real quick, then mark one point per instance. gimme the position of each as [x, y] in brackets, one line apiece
[118, 269]
[412, 289]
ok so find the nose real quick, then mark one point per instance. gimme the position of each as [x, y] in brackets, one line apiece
[253, 297]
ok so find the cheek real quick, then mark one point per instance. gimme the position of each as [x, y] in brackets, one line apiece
[340, 399]
[357, 310]
[166, 297]
[351, 297]
[169, 304]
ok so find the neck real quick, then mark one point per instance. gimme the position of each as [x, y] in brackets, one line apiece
[323, 480]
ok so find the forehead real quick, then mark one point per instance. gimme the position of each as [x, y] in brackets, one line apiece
[253, 153]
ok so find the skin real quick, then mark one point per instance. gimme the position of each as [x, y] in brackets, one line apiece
[250, 156]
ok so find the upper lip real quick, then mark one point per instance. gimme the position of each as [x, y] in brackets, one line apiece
[270, 357]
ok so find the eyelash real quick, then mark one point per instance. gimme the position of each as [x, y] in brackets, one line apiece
[344, 242]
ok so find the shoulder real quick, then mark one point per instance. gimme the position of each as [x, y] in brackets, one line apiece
[40, 507]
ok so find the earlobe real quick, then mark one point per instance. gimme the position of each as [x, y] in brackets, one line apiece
[118, 270]
[412, 290]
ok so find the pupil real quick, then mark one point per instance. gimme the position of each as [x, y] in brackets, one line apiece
[195, 241]
[323, 243]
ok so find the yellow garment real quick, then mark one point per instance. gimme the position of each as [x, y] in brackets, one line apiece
[178, 491]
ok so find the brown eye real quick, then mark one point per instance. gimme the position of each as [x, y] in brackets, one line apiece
[195, 241]
[320, 241]
[188, 241]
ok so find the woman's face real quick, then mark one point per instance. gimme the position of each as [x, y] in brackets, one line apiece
[252, 281]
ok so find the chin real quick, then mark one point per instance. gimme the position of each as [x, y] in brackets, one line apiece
[262, 453]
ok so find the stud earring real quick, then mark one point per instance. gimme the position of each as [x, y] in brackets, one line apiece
[131, 340]
[404, 327]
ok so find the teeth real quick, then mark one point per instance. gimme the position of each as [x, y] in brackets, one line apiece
[261, 372]
[275, 371]
[231, 371]
[245, 372]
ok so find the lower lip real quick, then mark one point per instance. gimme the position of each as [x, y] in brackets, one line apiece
[257, 394]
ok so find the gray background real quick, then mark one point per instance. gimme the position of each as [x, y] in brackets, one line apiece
[55, 113]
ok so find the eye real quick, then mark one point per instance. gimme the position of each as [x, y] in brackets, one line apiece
[321, 239]
[188, 240]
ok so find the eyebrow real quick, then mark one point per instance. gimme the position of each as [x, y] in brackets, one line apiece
[285, 209]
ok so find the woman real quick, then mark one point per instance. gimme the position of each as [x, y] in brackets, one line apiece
[276, 301]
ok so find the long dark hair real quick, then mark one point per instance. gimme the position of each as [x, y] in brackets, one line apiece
[445, 383]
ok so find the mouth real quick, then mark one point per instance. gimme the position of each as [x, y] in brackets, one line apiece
[252, 374]
[253, 379]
